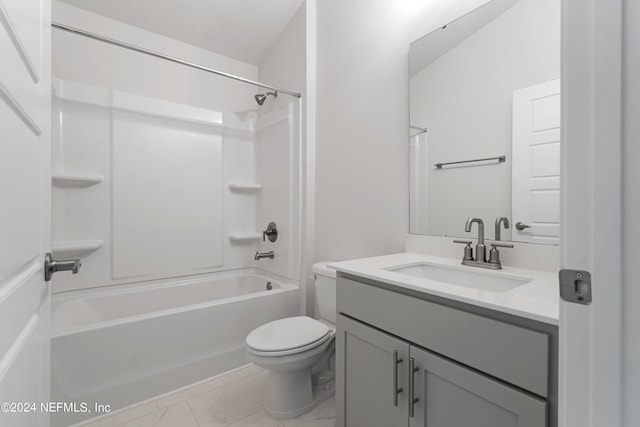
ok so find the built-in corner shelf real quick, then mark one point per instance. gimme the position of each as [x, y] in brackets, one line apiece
[244, 237]
[244, 187]
[71, 247]
[67, 180]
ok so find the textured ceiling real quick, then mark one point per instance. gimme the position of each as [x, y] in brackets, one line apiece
[241, 29]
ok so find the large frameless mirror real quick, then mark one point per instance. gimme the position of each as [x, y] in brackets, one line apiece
[485, 123]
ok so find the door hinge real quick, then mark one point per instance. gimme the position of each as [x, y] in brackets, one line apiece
[575, 286]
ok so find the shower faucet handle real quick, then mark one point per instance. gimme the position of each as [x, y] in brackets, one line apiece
[271, 232]
[53, 266]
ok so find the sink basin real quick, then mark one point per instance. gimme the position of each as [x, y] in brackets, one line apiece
[457, 276]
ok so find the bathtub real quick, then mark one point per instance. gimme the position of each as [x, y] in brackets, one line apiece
[124, 344]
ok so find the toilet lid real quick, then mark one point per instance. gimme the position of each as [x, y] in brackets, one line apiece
[287, 334]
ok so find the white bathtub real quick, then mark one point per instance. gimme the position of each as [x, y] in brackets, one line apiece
[124, 344]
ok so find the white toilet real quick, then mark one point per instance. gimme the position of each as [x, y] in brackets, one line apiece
[299, 353]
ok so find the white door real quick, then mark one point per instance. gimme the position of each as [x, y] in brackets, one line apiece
[536, 164]
[25, 182]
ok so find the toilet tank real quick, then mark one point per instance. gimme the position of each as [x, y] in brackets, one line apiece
[325, 287]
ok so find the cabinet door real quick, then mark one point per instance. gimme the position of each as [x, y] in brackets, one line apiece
[372, 375]
[447, 394]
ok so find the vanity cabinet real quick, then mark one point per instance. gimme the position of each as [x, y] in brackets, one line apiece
[448, 394]
[371, 367]
[406, 361]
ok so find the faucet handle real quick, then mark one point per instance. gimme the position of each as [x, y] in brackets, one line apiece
[465, 242]
[468, 251]
[501, 245]
[271, 232]
[494, 255]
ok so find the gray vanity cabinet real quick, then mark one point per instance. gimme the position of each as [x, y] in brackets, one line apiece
[460, 367]
[371, 371]
[447, 394]
[374, 382]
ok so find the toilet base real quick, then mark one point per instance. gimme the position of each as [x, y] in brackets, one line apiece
[298, 381]
[291, 394]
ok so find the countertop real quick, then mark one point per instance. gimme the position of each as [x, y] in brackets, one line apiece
[537, 300]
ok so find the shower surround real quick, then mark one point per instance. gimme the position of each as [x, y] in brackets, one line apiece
[164, 179]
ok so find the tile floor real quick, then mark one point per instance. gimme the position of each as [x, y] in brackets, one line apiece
[234, 399]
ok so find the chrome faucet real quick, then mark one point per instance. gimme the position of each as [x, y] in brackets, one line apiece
[480, 259]
[500, 220]
[481, 249]
[260, 255]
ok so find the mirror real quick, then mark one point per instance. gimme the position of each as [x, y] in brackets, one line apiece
[485, 123]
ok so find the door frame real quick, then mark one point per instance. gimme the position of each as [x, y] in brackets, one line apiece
[590, 389]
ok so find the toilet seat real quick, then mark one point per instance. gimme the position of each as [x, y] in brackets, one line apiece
[287, 336]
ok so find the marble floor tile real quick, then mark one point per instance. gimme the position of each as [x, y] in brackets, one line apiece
[323, 415]
[103, 422]
[258, 419]
[179, 415]
[235, 399]
[226, 405]
[135, 412]
[214, 383]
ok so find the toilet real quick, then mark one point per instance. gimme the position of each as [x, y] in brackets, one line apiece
[299, 353]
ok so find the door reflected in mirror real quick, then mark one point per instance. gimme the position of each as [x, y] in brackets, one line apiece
[485, 123]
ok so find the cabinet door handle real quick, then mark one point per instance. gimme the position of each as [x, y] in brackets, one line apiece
[396, 390]
[412, 387]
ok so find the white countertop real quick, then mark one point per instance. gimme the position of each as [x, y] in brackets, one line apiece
[536, 300]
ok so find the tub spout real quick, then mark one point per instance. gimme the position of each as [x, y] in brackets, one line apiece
[260, 255]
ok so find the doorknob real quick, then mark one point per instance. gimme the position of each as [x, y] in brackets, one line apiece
[521, 226]
[53, 266]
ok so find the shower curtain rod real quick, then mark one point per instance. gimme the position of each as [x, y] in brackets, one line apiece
[422, 130]
[167, 57]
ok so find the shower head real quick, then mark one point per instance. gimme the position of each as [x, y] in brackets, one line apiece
[261, 97]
